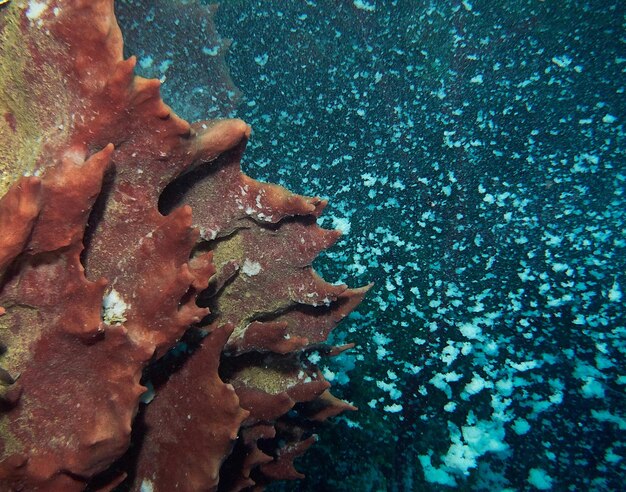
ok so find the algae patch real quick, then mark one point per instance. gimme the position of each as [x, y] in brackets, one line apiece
[33, 96]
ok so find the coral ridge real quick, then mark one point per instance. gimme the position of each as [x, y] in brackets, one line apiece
[131, 231]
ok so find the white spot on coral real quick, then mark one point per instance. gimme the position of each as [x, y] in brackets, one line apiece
[146, 486]
[208, 234]
[35, 9]
[114, 308]
[250, 268]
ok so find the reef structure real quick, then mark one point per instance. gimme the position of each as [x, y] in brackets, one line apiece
[160, 318]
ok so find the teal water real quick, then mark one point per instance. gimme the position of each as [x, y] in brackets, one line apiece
[473, 154]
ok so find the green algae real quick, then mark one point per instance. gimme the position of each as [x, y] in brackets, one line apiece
[33, 98]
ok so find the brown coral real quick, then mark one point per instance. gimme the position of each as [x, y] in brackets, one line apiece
[139, 230]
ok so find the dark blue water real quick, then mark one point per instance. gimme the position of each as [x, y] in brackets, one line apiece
[473, 154]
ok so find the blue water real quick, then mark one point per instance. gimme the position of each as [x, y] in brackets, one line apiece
[473, 154]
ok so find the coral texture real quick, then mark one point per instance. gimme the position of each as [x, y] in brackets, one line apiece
[158, 307]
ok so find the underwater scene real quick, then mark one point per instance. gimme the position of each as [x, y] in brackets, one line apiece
[473, 156]
[312, 245]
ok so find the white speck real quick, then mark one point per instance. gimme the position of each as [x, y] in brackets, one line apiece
[606, 416]
[449, 353]
[165, 65]
[478, 79]
[475, 386]
[146, 486]
[261, 59]
[314, 357]
[146, 62]
[365, 5]
[436, 475]
[394, 393]
[329, 375]
[250, 268]
[208, 234]
[473, 441]
[609, 118]
[394, 408]
[521, 426]
[368, 179]
[35, 9]
[562, 61]
[615, 294]
[539, 479]
[469, 330]
[113, 308]
[559, 267]
[211, 51]
[523, 366]
[592, 389]
[341, 224]
[450, 406]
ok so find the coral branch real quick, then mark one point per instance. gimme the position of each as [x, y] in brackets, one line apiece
[136, 254]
